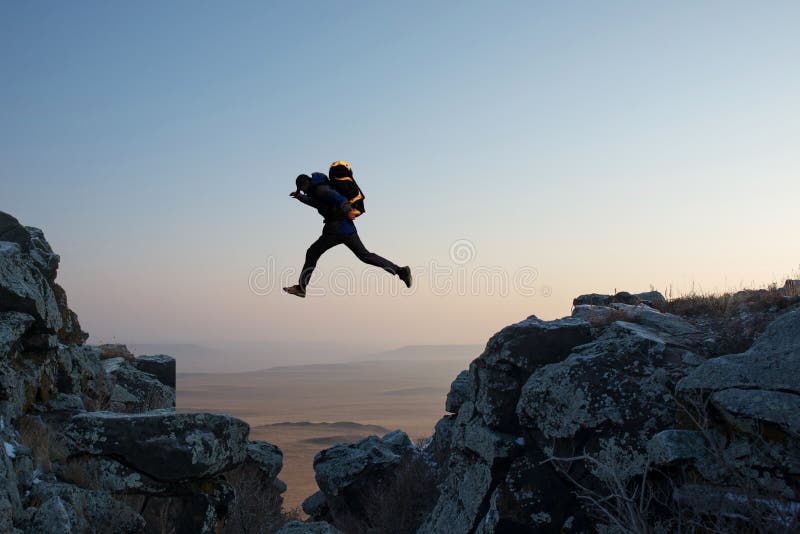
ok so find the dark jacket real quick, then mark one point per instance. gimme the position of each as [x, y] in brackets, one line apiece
[330, 204]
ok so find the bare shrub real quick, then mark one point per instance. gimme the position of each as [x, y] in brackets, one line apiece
[401, 503]
[98, 397]
[739, 501]
[42, 440]
[256, 509]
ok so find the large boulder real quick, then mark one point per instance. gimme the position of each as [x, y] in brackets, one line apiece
[164, 445]
[461, 391]
[66, 508]
[511, 355]
[617, 388]
[13, 232]
[347, 472]
[41, 252]
[160, 366]
[650, 298]
[136, 391]
[24, 288]
[81, 372]
[772, 363]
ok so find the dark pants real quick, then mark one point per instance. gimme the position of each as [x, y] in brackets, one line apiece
[351, 241]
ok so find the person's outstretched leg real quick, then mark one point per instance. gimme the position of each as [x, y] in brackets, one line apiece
[313, 254]
[353, 242]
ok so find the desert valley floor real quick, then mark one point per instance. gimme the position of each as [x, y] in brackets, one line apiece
[305, 409]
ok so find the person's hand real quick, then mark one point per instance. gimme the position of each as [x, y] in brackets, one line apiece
[293, 194]
[351, 215]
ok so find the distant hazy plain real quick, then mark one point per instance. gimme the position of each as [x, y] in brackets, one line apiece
[290, 406]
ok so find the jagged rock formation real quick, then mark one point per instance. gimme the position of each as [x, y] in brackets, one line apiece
[558, 425]
[606, 398]
[346, 472]
[90, 438]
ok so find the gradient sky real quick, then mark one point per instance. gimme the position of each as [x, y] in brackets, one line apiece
[608, 145]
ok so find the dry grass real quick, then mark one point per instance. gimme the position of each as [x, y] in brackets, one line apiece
[735, 318]
[43, 442]
[98, 397]
[610, 316]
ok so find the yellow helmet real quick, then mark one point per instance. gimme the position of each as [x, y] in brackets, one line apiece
[342, 163]
[340, 169]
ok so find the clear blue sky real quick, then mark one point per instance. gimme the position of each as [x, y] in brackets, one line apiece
[607, 144]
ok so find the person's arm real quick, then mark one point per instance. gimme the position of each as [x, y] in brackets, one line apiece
[307, 200]
[330, 196]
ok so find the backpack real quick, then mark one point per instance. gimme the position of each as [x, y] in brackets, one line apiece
[341, 179]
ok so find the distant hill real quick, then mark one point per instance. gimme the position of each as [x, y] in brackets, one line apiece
[465, 353]
[340, 425]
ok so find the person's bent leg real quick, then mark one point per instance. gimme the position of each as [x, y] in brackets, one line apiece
[313, 254]
[353, 242]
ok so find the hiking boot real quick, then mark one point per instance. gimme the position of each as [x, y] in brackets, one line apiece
[405, 275]
[296, 291]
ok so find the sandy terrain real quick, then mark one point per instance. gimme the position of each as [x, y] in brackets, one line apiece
[365, 397]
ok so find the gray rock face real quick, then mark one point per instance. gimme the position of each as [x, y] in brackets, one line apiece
[297, 527]
[650, 298]
[42, 254]
[80, 372]
[772, 363]
[531, 498]
[136, 391]
[477, 456]
[512, 355]
[165, 445]
[264, 457]
[70, 509]
[462, 497]
[616, 387]
[160, 366]
[338, 467]
[316, 506]
[12, 326]
[346, 472]
[746, 409]
[439, 444]
[461, 391]
[56, 517]
[672, 446]
[63, 402]
[12, 231]
[24, 288]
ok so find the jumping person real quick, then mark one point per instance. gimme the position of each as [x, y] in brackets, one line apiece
[339, 213]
